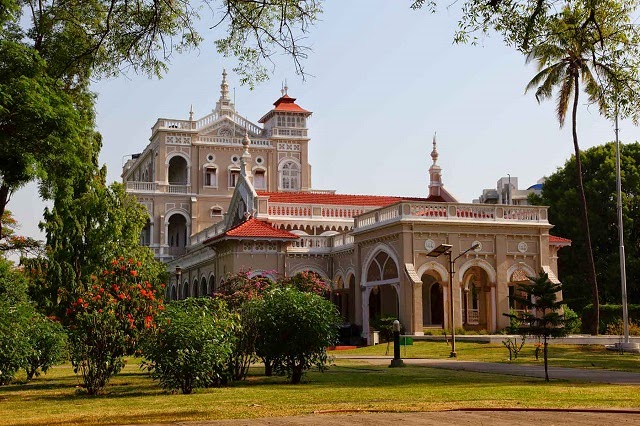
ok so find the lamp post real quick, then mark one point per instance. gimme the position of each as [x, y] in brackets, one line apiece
[178, 279]
[396, 361]
[437, 252]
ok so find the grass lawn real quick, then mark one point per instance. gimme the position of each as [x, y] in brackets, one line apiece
[579, 356]
[132, 397]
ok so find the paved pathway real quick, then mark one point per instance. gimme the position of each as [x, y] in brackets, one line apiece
[435, 418]
[588, 375]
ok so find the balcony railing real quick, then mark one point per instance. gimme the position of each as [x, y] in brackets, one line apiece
[178, 189]
[154, 187]
[207, 233]
[315, 211]
[142, 187]
[452, 212]
[221, 140]
[242, 122]
[321, 244]
[168, 124]
[289, 133]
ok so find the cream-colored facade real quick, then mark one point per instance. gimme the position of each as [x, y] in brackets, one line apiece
[224, 195]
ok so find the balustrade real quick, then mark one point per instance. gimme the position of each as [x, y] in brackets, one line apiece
[222, 140]
[178, 189]
[141, 186]
[453, 211]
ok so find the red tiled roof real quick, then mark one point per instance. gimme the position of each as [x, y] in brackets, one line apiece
[554, 239]
[333, 199]
[286, 103]
[254, 228]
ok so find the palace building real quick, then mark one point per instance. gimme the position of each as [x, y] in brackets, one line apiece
[225, 194]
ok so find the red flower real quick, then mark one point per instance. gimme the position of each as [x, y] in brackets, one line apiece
[134, 273]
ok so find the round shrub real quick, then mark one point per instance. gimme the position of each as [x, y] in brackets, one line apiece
[191, 345]
[47, 345]
[294, 329]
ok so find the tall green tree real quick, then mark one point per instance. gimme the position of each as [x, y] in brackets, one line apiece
[542, 317]
[565, 60]
[86, 229]
[560, 194]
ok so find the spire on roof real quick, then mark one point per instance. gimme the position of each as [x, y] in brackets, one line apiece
[435, 174]
[224, 102]
[191, 113]
[224, 87]
[434, 152]
[245, 170]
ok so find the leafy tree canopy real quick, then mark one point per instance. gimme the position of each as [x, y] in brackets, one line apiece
[559, 192]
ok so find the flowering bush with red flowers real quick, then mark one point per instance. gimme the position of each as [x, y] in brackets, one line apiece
[108, 319]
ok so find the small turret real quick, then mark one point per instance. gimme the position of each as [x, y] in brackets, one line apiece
[224, 104]
[245, 159]
[435, 173]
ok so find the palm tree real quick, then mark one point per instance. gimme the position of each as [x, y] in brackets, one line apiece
[565, 59]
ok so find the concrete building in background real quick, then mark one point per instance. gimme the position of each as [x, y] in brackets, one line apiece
[507, 192]
[225, 194]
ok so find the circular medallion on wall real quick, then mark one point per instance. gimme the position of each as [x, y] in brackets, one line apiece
[235, 158]
[259, 160]
[479, 244]
[429, 245]
[211, 157]
[522, 247]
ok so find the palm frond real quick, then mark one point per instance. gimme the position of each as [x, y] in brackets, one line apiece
[564, 94]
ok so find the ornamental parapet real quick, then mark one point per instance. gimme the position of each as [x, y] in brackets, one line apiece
[452, 212]
[134, 187]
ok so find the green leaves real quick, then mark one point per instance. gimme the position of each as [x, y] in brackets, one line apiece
[294, 329]
[192, 345]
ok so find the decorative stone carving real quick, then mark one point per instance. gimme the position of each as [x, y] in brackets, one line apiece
[522, 247]
[429, 245]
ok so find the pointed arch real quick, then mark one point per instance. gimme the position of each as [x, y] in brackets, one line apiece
[481, 263]
[310, 268]
[528, 271]
[434, 266]
[272, 275]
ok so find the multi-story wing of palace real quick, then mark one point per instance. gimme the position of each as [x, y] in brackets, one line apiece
[225, 194]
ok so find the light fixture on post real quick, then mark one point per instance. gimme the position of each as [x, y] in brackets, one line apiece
[437, 252]
[178, 279]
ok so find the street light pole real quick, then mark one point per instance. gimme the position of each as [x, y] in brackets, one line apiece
[437, 252]
[623, 272]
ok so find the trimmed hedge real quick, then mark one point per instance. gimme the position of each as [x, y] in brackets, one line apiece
[609, 314]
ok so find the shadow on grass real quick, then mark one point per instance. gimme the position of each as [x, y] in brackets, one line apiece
[125, 418]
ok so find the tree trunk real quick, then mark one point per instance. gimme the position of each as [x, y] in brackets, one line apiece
[296, 374]
[4, 199]
[591, 267]
[268, 367]
[546, 364]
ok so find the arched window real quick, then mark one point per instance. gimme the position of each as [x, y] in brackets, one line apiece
[212, 285]
[178, 173]
[216, 211]
[290, 176]
[185, 290]
[211, 176]
[382, 268]
[234, 176]
[260, 179]
[177, 234]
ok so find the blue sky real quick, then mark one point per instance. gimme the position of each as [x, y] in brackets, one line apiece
[384, 79]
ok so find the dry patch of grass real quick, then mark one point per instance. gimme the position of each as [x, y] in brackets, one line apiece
[132, 397]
